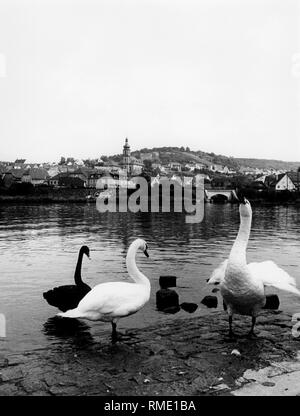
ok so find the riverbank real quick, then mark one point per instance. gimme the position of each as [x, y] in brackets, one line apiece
[47, 196]
[190, 356]
[81, 197]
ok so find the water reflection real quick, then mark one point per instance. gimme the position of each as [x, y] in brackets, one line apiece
[68, 330]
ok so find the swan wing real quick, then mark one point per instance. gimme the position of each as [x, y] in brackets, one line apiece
[110, 298]
[271, 275]
[218, 274]
[66, 297]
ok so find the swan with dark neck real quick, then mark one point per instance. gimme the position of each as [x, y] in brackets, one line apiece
[77, 275]
[111, 301]
[68, 296]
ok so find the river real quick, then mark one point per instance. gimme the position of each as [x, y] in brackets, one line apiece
[39, 247]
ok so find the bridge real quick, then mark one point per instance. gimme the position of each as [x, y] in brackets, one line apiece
[218, 193]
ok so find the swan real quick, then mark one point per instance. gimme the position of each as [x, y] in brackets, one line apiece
[242, 285]
[108, 302]
[68, 296]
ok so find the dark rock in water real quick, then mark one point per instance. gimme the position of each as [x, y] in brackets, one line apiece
[167, 298]
[210, 301]
[215, 290]
[272, 302]
[65, 327]
[171, 309]
[189, 307]
[167, 281]
[3, 361]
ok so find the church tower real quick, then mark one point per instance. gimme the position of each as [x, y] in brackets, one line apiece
[126, 157]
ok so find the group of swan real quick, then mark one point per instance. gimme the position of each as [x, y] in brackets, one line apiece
[106, 302]
[242, 285]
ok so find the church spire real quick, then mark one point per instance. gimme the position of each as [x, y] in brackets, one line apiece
[126, 156]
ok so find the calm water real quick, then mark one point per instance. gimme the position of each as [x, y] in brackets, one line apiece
[39, 248]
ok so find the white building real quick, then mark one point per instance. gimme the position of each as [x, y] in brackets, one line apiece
[284, 183]
[174, 166]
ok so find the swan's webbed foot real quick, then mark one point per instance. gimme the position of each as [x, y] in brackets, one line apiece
[251, 333]
[117, 336]
[114, 339]
[231, 334]
[114, 334]
[231, 337]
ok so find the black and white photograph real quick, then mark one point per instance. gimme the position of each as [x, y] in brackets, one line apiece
[149, 201]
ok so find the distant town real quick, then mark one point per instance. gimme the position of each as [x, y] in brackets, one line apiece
[23, 178]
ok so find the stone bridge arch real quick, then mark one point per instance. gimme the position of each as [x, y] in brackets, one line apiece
[228, 194]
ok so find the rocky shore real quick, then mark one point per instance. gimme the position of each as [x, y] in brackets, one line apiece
[187, 357]
[66, 195]
[53, 196]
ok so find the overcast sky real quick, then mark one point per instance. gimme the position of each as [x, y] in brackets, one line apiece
[77, 77]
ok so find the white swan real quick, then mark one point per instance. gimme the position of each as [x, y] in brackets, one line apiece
[242, 285]
[111, 301]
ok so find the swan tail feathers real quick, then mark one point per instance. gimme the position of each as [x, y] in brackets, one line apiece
[286, 287]
[292, 289]
[50, 297]
[271, 275]
[72, 313]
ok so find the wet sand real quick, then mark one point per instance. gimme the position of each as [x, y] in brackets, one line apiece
[189, 356]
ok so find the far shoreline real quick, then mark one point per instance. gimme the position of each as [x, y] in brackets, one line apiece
[74, 198]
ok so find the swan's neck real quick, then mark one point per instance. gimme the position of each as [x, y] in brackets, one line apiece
[132, 269]
[77, 275]
[238, 251]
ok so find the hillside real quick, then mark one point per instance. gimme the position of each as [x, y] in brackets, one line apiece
[268, 163]
[185, 155]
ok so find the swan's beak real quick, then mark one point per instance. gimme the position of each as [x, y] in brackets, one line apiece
[146, 253]
[242, 200]
[240, 197]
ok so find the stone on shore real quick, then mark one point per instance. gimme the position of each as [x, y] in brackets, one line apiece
[179, 357]
[167, 300]
[272, 302]
[3, 361]
[167, 281]
[210, 301]
[189, 307]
